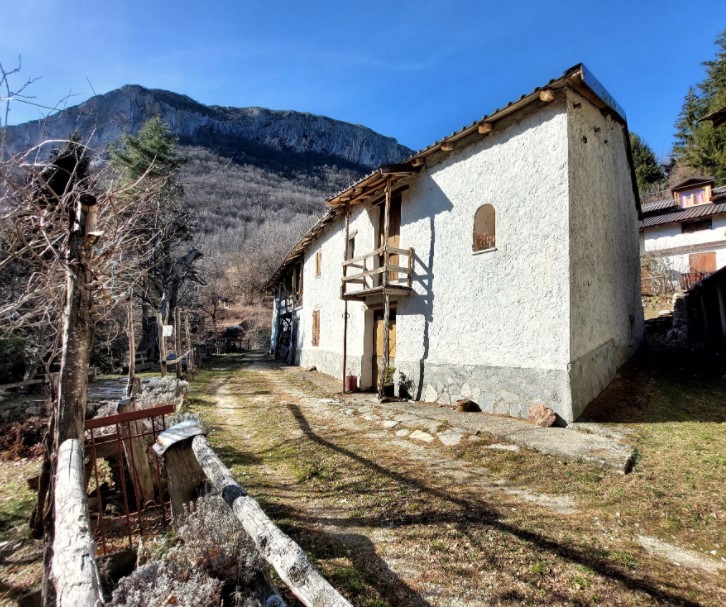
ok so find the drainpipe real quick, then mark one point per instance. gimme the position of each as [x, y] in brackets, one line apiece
[345, 301]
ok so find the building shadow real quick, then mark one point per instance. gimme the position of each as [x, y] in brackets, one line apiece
[421, 301]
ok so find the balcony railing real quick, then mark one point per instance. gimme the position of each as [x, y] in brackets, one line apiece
[383, 271]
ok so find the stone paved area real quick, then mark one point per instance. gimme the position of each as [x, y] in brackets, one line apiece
[426, 422]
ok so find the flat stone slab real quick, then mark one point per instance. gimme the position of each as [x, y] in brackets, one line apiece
[680, 556]
[501, 447]
[403, 432]
[389, 423]
[450, 438]
[607, 448]
[422, 436]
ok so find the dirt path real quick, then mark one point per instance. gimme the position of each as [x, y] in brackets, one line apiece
[392, 520]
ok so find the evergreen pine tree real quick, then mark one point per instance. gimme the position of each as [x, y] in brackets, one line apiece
[698, 144]
[647, 170]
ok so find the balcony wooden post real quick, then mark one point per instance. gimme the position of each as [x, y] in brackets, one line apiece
[345, 301]
[386, 300]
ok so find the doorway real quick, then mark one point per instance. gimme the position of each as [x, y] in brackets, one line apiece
[377, 358]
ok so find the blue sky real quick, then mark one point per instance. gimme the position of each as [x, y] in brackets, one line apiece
[412, 69]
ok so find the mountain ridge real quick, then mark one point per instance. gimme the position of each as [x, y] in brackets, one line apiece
[103, 119]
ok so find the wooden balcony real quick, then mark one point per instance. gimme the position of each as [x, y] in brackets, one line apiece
[381, 272]
[286, 305]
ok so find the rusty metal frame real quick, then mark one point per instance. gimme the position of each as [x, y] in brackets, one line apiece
[138, 519]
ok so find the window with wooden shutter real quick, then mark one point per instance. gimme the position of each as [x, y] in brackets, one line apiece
[318, 263]
[316, 327]
[484, 229]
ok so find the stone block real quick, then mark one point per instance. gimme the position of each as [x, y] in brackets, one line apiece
[541, 416]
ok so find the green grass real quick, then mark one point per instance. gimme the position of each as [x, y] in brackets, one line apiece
[16, 500]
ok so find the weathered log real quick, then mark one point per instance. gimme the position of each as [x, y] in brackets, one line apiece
[184, 474]
[136, 452]
[74, 568]
[278, 549]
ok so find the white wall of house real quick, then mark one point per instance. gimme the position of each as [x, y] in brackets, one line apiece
[669, 242]
[504, 326]
[607, 317]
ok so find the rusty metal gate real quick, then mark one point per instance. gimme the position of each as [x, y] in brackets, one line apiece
[129, 499]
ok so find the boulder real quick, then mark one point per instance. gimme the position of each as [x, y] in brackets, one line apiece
[541, 416]
[467, 405]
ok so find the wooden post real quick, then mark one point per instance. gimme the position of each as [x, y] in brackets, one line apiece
[136, 452]
[162, 344]
[345, 301]
[184, 474]
[386, 301]
[188, 338]
[721, 309]
[178, 342]
[75, 572]
[132, 346]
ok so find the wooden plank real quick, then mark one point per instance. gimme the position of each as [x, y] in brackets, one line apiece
[22, 384]
[374, 253]
[287, 558]
[364, 274]
[74, 567]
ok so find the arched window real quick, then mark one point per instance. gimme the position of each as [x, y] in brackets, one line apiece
[484, 228]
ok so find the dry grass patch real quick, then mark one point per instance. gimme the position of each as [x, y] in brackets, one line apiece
[387, 531]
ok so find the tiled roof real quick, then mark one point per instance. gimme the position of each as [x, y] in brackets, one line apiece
[659, 205]
[701, 210]
[578, 76]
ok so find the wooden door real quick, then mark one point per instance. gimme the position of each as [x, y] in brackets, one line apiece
[703, 262]
[394, 233]
[378, 342]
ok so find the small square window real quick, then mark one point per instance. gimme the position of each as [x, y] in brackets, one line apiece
[696, 226]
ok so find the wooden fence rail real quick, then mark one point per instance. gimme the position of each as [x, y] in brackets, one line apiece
[74, 568]
[189, 459]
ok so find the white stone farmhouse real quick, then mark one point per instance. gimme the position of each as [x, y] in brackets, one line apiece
[683, 238]
[499, 264]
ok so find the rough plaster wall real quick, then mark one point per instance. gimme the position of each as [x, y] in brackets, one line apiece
[604, 252]
[503, 313]
[323, 293]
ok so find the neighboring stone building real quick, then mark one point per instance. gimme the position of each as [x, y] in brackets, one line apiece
[683, 238]
[500, 264]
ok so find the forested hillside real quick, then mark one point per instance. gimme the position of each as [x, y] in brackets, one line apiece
[232, 190]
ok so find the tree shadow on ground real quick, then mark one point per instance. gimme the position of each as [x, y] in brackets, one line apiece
[470, 513]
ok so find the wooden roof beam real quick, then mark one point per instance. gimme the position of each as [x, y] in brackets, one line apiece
[398, 169]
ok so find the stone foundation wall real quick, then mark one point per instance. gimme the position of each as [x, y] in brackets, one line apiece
[502, 390]
[330, 363]
[590, 374]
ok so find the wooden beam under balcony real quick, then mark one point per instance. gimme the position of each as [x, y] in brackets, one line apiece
[374, 295]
